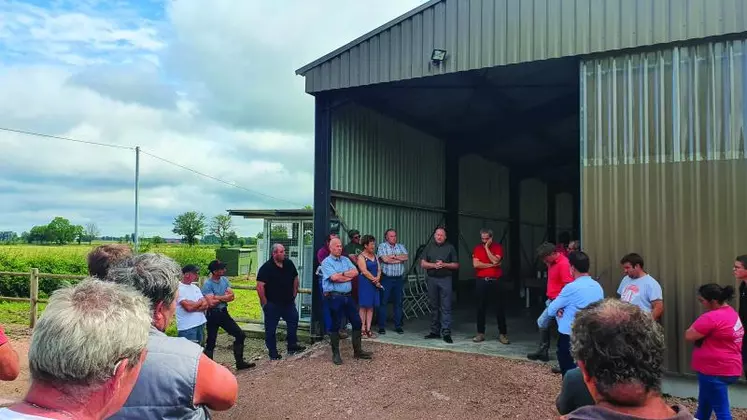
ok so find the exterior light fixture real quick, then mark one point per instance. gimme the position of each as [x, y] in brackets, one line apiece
[438, 56]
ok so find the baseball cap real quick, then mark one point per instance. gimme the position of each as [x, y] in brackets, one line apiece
[352, 233]
[190, 268]
[216, 265]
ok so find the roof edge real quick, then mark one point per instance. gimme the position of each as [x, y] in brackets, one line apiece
[305, 69]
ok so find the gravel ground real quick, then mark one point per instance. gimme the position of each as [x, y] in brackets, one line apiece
[400, 383]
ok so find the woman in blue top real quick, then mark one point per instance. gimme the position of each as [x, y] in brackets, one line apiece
[369, 283]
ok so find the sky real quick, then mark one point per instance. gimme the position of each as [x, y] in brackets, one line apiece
[208, 85]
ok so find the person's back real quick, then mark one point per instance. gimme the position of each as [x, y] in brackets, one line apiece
[574, 394]
[167, 381]
[600, 412]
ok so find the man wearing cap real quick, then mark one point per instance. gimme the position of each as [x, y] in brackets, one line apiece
[190, 306]
[217, 290]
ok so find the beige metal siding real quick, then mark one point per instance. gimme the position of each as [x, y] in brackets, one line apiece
[376, 156]
[664, 170]
[414, 227]
[487, 33]
[483, 203]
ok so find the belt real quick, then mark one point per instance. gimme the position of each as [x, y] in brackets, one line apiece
[488, 278]
[337, 294]
[225, 308]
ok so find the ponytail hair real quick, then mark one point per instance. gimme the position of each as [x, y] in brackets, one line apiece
[713, 291]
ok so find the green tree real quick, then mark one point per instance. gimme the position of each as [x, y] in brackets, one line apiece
[232, 238]
[61, 231]
[260, 235]
[308, 207]
[220, 226]
[278, 232]
[189, 226]
[92, 232]
[157, 240]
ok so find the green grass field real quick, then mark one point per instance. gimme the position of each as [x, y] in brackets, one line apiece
[71, 259]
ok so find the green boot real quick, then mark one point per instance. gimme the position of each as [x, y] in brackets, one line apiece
[358, 352]
[334, 341]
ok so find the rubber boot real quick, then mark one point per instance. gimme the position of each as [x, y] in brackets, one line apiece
[544, 347]
[238, 354]
[358, 352]
[334, 342]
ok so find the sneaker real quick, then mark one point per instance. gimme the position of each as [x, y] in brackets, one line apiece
[400, 331]
[382, 331]
[244, 365]
[276, 357]
[503, 338]
[432, 336]
[343, 334]
[479, 338]
[447, 338]
[296, 349]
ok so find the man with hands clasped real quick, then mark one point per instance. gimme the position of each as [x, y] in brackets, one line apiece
[439, 259]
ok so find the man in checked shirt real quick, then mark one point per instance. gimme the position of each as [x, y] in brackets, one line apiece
[393, 257]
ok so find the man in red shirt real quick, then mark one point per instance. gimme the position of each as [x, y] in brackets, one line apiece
[558, 275]
[487, 258]
[9, 363]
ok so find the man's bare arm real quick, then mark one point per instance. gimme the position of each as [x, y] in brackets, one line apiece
[9, 363]
[261, 293]
[476, 263]
[216, 387]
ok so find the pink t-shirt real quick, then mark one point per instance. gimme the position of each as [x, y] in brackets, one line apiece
[721, 351]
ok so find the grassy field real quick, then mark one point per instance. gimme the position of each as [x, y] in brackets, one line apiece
[71, 259]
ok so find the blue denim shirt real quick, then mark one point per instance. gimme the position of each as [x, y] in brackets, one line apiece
[575, 295]
[211, 287]
[334, 265]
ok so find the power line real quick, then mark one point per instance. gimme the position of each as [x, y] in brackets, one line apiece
[116, 146]
[49, 136]
[233, 184]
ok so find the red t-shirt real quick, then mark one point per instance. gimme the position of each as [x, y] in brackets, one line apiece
[3, 337]
[720, 354]
[482, 256]
[558, 275]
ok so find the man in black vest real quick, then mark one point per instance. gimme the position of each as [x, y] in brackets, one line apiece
[277, 287]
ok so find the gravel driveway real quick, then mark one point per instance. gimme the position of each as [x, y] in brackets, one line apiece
[400, 383]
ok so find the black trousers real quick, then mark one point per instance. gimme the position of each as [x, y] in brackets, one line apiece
[219, 318]
[486, 290]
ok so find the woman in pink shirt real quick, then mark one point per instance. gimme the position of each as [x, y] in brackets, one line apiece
[717, 356]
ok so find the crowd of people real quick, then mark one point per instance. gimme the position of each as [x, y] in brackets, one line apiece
[99, 350]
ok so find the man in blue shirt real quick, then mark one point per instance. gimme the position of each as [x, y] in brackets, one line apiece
[217, 292]
[337, 275]
[576, 295]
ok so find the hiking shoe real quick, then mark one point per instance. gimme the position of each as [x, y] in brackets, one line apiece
[479, 338]
[244, 365]
[447, 338]
[432, 336]
[400, 331]
[503, 338]
[382, 331]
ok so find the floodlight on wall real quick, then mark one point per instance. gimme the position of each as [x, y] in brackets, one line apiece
[438, 56]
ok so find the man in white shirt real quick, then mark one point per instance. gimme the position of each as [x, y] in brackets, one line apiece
[639, 288]
[191, 306]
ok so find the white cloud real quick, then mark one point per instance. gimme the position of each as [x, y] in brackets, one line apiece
[212, 88]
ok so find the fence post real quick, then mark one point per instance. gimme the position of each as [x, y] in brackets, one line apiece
[34, 295]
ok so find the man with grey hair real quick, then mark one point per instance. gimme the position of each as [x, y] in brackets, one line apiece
[439, 259]
[177, 380]
[620, 352]
[86, 353]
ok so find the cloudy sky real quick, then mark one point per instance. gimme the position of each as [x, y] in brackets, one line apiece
[207, 84]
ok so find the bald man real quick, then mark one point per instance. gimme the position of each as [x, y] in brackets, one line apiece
[337, 275]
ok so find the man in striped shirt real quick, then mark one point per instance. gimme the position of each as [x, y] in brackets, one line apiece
[393, 257]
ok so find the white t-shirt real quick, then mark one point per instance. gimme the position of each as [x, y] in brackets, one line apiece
[640, 292]
[184, 319]
[8, 414]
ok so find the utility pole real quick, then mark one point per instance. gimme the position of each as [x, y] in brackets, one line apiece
[136, 239]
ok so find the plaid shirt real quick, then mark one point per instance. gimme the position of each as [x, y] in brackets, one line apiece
[391, 270]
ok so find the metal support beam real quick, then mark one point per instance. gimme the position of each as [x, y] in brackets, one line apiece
[322, 196]
[451, 198]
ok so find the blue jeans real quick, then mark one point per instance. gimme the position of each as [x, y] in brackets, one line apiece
[194, 334]
[565, 360]
[273, 313]
[338, 306]
[394, 287]
[713, 396]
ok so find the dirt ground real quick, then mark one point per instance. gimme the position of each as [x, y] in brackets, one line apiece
[399, 383]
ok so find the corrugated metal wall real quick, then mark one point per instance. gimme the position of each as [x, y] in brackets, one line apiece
[487, 33]
[376, 156]
[483, 203]
[664, 172]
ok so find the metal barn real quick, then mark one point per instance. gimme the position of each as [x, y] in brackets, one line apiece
[621, 121]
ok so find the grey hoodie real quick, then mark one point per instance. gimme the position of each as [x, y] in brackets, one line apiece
[595, 412]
